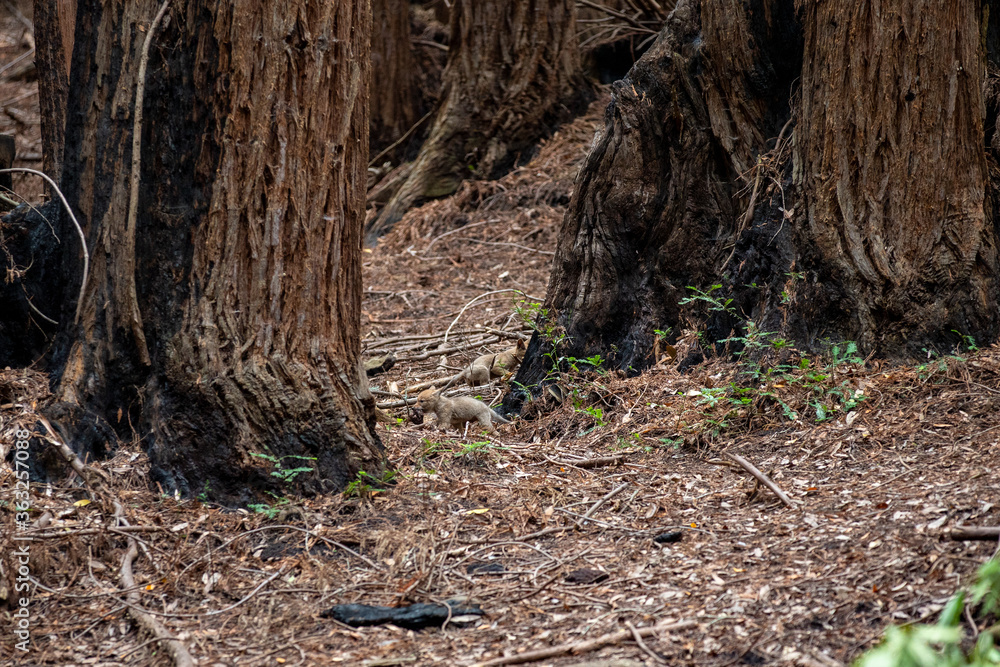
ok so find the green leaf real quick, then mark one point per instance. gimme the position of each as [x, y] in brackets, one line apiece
[951, 615]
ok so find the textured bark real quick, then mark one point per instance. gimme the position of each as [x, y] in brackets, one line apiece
[394, 96]
[657, 200]
[513, 74]
[54, 21]
[891, 162]
[247, 256]
[824, 162]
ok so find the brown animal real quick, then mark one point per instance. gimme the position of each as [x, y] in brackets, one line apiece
[457, 411]
[494, 365]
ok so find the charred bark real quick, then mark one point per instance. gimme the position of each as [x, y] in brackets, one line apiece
[31, 292]
[513, 74]
[658, 199]
[226, 323]
[825, 163]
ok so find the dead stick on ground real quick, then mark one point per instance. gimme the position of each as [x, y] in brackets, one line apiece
[466, 306]
[96, 531]
[592, 463]
[174, 647]
[433, 383]
[608, 496]
[762, 478]
[638, 640]
[974, 533]
[449, 350]
[513, 335]
[576, 648]
[87, 474]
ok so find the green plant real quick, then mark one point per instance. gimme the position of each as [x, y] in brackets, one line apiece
[431, 448]
[536, 317]
[205, 491]
[969, 341]
[474, 449]
[267, 509]
[939, 645]
[714, 303]
[846, 355]
[597, 414]
[365, 484]
[594, 363]
[621, 443]
[282, 473]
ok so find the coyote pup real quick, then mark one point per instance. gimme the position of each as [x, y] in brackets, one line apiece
[494, 365]
[457, 411]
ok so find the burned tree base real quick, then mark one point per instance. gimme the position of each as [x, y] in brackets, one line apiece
[31, 294]
[238, 436]
[729, 197]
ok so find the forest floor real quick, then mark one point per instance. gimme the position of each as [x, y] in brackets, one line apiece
[618, 508]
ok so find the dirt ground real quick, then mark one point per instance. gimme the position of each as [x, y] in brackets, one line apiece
[615, 510]
[19, 94]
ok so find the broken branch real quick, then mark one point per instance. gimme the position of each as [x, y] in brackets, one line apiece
[974, 533]
[762, 478]
[576, 648]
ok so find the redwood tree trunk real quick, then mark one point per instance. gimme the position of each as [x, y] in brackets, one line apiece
[227, 322]
[54, 22]
[394, 96]
[513, 74]
[896, 237]
[824, 162]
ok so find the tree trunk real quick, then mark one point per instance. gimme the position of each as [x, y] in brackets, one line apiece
[854, 209]
[513, 74]
[896, 238]
[394, 95]
[54, 22]
[225, 322]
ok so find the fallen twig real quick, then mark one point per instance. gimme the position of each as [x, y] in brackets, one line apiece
[433, 383]
[174, 646]
[513, 335]
[576, 648]
[448, 350]
[310, 533]
[403, 402]
[95, 531]
[645, 649]
[608, 496]
[762, 478]
[974, 533]
[592, 463]
[466, 306]
[78, 466]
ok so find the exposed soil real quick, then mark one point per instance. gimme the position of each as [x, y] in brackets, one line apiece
[550, 524]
